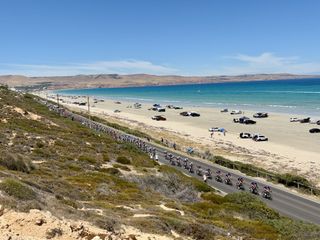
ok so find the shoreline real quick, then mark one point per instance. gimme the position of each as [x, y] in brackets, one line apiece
[215, 106]
[291, 148]
[237, 95]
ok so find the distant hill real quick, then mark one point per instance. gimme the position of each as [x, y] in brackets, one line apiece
[115, 80]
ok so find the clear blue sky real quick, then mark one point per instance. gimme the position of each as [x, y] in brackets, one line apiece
[188, 37]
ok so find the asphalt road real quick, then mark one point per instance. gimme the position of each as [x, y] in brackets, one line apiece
[285, 202]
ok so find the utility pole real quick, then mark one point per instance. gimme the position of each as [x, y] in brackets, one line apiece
[58, 100]
[88, 103]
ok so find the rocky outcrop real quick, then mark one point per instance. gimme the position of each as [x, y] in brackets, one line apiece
[39, 225]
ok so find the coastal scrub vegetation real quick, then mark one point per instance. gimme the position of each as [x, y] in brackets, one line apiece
[55, 164]
[287, 179]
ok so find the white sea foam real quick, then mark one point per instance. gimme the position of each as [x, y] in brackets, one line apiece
[281, 106]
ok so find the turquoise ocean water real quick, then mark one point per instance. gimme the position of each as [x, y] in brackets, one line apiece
[284, 96]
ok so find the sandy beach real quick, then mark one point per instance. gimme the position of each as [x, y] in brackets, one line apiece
[290, 149]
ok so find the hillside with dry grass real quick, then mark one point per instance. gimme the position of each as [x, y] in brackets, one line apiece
[133, 80]
[61, 180]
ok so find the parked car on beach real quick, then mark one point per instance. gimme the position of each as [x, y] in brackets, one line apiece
[159, 118]
[294, 119]
[192, 114]
[244, 120]
[224, 110]
[185, 114]
[234, 112]
[259, 138]
[314, 130]
[249, 121]
[214, 129]
[245, 135]
[173, 107]
[240, 120]
[160, 109]
[260, 115]
[305, 120]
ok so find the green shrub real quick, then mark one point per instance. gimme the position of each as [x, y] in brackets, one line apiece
[70, 203]
[292, 180]
[16, 162]
[201, 186]
[105, 157]
[112, 171]
[40, 144]
[241, 198]
[212, 197]
[252, 206]
[17, 190]
[74, 167]
[87, 158]
[123, 160]
[44, 153]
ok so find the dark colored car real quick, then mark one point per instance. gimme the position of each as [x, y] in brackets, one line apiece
[245, 135]
[243, 119]
[249, 121]
[194, 114]
[159, 118]
[305, 120]
[184, 114]
[161, 109]
[314, 130]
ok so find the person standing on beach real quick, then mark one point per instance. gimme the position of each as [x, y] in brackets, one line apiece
[211, 134]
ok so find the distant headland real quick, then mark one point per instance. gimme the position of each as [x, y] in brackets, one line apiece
[133, 80]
